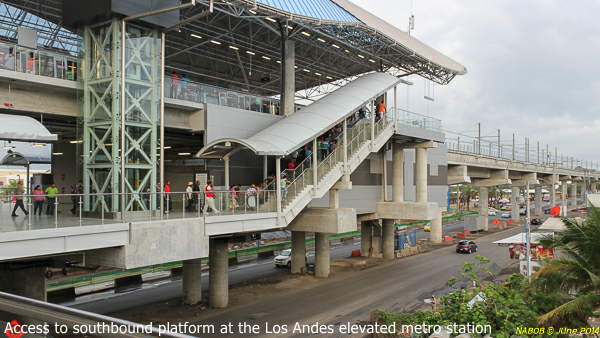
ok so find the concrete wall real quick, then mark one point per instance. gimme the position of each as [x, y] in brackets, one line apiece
[156, 243]
[64, 167]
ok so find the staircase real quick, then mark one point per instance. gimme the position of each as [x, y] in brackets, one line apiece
[330, 169]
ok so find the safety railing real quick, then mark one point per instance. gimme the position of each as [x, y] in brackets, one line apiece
[419, 121]
[520, 153]
[45, 211]
[188, 90]
[38, 62]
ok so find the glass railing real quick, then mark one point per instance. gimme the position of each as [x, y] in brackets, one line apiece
[418, 121]
[188, 90]
[37, 62]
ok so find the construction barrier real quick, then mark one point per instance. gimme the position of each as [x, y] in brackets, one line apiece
[460, 235]
[448, 239]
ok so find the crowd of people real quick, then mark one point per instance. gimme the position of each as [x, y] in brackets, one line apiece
[39, 195]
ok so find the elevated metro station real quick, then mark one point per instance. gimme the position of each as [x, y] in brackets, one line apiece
[140, 98]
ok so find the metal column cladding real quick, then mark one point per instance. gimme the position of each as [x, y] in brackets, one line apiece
[102, 115]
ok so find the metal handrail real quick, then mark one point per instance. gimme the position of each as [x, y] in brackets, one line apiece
[70, 317]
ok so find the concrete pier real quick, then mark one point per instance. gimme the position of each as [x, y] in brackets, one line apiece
[298, 251]
[218, 289]
[514, 204]
[387, 238]
[192, 278]
[366, 232]
[538, 200]
[435, 235]
[26, 282]
[483, 205]
[322, 247]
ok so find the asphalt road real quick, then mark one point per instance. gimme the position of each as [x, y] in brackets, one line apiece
[396, 286]
[147, 293]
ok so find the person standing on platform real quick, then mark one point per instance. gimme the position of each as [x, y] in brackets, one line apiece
[38, 200]
[168, 201]
[51, 193]
[74, 199]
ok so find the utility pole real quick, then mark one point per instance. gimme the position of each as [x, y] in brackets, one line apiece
[513, 150]
[479, 138]
[499, 154]
[538, 145]
[528, 234]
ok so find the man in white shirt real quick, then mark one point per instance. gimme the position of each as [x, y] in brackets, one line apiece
[8, 61]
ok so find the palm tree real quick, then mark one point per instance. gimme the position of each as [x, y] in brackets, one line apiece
[576, 276]
[468, 192]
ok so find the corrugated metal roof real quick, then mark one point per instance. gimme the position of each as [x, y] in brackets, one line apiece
[320, 9]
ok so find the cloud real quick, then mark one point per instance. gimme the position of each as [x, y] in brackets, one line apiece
[532, 68]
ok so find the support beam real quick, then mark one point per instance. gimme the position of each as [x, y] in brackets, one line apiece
[514, 204]
[397, 173]
[458, 175]
[334, 199]
[483, 205]
[421, 174]
[218, 287]
[366, 233]
[538, 200]
[298, 251]
[192, 278]
[387, 235]
[435, 232]
[322, 252]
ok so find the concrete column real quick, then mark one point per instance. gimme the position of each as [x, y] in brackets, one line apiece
[278, 187]
[388, 239]
[298, 251]
[384, 182]
[376, 239]
[192, 278]
[322, 251]
[564, 198]
[435, 231]
[421, 168]
[552, 188]
[27, 282]
[218, 278]
[583, 190]
[334, 199]
[483, 205]
[573, 194]
[594, 187]
[514, 203]
[289, 79]
[225, 196]
[538, 200]
[397, 173]
[366, 232]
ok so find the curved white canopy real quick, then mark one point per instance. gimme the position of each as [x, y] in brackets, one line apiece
[23, 128]
[292, 132]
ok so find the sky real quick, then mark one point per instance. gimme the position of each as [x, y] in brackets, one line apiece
[532, 69]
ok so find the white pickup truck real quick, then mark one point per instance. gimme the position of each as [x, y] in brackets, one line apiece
[285, 258]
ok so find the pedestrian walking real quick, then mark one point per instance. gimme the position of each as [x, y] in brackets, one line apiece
[38, 200]
[74, 199]
[196, 195]
[283, 183]
[190, 197]
[210, 198]
[51, 193]
[233, 204]
[251, 195]
[19, 199]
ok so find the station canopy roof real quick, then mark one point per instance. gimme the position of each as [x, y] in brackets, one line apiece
[29, 129]
[238, 45]
[521, 238]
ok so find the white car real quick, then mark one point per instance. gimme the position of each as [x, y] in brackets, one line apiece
[285, 258]
[506, 214]
[491, 212]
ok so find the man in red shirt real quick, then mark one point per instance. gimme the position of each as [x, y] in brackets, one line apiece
[210, 198]
[168, 201]
[290, 170]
